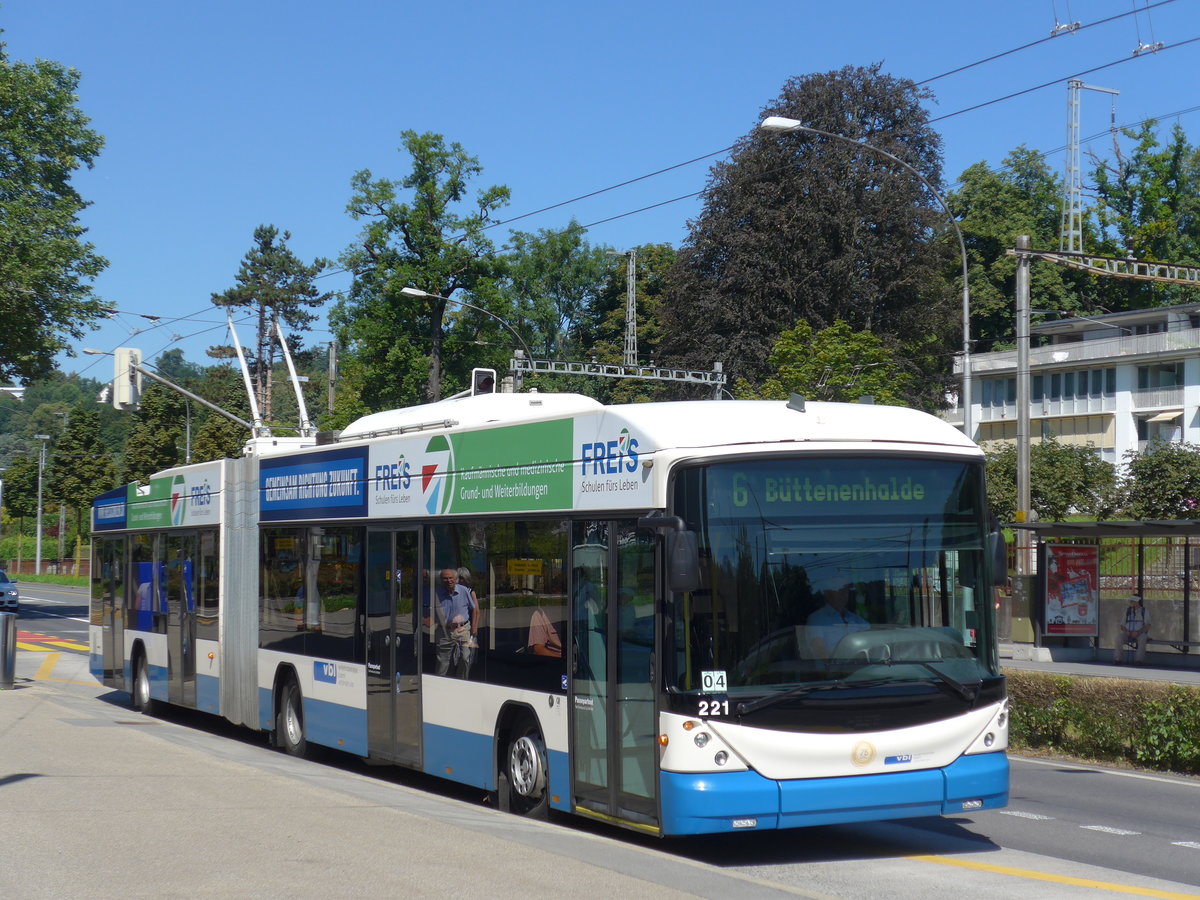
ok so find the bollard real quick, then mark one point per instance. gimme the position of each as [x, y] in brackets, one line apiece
[8, 649]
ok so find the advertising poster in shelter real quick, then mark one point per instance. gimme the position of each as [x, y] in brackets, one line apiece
[1072, 590]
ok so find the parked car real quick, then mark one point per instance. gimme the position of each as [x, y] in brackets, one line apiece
[10, 600]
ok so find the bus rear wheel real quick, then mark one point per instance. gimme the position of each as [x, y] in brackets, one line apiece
[142, 699]
[526, 771]
[289, 721]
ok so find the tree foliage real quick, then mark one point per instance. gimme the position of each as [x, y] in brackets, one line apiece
[274, 284]
[46, 266]
[1164, 481]
[1064, 480]
[835, 364]
[994, 207]
[436, 243]
[81, 468]
[799, 226]
[21, 487]
[154, 443]
[551, 280]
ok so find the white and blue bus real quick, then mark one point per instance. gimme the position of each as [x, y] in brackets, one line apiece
[689, 617]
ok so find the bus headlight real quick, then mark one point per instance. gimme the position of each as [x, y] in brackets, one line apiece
[721, 758]
[702, 739]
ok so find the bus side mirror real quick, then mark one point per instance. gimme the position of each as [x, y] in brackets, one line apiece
[999, 558]
[683, 561]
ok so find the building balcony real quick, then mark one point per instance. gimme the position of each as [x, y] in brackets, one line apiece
[1183, 342]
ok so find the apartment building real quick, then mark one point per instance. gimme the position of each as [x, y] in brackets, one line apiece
[1116, 381]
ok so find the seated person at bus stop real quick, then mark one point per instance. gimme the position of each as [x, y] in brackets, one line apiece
[833, 621]
[543, 636]
[457, 625]
[1134, 629]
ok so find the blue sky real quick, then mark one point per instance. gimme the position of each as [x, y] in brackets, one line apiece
[223, 115]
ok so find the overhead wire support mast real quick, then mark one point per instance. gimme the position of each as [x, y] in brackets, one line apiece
[1070, 237]
[715, 377]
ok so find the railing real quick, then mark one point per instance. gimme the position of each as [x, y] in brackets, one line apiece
[1087, 351]
[1151, 398]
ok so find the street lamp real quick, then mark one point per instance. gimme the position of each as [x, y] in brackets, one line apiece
[37, 569]
[417, 292]
[780, 123]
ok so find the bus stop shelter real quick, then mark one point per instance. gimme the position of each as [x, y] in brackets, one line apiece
[1157, 560]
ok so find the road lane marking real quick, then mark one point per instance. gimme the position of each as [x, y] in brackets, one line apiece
[1191, 845]
[1056, 879]
[1177, 782]
[1026, 815]
[1108, 829]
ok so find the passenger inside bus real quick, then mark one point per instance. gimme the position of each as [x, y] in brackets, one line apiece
[543, 636]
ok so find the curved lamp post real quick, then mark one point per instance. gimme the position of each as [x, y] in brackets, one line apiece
[779, 123]
[417, 292]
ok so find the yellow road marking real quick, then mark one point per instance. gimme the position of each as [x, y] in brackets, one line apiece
[36, 648]
[46, 669]
[70, 645]
[1056, 879]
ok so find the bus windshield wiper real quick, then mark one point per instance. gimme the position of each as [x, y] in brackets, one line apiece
[746, 707]
[953, 683]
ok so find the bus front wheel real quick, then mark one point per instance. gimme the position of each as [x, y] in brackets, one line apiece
[526, 771]
[289, 721]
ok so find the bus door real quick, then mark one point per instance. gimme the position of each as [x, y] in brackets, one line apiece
[392, 639]
[614, 738]
[110, 588]
[177, 575]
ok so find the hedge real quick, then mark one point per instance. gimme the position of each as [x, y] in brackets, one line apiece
[1149, 724]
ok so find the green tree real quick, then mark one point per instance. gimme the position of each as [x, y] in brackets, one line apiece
[994, 207]
[437, 243]
[157, 434]
[1148, 207]
[81, 468]
[21, 494]
[216, 436]
[1064, 480]
[1164, 481]
[46, 267]
[604, 333]
[279, 289]
[552, 280]
[798, 226]
[834, 364]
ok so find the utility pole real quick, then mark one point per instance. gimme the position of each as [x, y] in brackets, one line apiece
[332, 371]
[37, 568]
[1023, 566]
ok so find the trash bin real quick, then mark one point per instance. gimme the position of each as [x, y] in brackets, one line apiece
[8, 649]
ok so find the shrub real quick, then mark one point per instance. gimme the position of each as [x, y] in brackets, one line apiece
[1106, 719]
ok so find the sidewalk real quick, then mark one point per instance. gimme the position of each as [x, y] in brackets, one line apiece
[1085, 662]
[99, 801]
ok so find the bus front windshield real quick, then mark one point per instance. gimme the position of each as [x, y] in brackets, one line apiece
[818, 570]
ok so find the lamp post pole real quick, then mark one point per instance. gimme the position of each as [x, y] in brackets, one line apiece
[417, 292]
[780, 123]
[37, 569]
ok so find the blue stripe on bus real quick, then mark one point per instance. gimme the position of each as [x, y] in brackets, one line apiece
[458, 755]
[732, 801]
[329, 724]
[208, 693]
[96, 666]
[466, 757]
[334, 725]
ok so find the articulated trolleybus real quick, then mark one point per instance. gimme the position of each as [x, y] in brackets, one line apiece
[677, 617]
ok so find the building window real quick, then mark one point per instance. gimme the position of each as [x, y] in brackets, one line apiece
[1160, 376]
